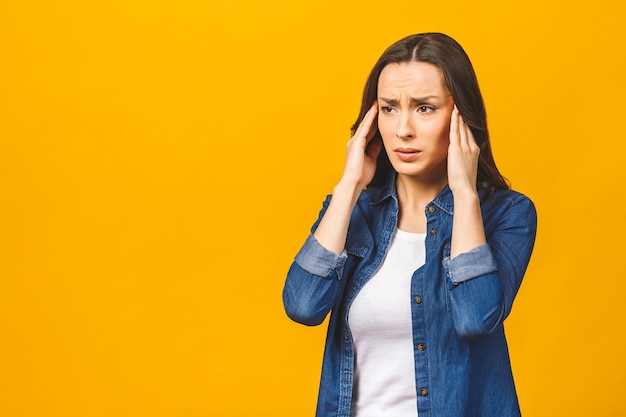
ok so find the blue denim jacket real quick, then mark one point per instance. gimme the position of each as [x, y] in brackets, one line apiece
[458, 306]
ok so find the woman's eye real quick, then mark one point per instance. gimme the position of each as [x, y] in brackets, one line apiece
[425, 109]
[386, 109]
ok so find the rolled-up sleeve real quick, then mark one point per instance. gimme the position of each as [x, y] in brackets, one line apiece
[478, 261]
[313, 283]
[483, 282]
[317, 260]
[314, 280]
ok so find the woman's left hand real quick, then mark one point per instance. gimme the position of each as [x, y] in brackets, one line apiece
[463, 155]
[468, 231]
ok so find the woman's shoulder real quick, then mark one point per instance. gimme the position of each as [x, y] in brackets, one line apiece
[506, 196]
[510, 203]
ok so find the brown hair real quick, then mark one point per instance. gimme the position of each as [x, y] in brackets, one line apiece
[445, 53]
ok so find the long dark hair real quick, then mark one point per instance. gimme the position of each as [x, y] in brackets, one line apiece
[445, 53]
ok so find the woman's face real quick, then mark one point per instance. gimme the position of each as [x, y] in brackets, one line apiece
[415, 108]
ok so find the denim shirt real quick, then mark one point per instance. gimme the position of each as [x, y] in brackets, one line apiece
[458, 306]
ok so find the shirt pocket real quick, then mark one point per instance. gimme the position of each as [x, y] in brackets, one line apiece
[357, 249]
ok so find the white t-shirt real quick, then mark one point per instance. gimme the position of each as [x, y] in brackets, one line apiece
[382, 331]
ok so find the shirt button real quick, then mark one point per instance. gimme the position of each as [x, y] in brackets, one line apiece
[431, 209]
[433, 231]
[421, 346]
[418, 299]
[424, 391]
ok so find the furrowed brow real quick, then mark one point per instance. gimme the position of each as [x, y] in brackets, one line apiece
[418, 100]
[389, 101]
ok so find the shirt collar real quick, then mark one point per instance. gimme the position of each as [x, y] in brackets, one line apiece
[379, 194]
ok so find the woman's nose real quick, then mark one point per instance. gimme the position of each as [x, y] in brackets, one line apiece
[405, 129]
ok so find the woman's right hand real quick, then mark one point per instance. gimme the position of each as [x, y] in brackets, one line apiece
[362, 152]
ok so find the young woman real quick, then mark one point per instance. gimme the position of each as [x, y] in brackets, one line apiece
[419, 252]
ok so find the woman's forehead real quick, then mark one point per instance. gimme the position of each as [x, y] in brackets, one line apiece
[419, 78]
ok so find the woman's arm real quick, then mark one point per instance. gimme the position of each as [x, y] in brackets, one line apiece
[483, 282]
[485, 274]
[359, 170]
[468, 231]
[313, 280]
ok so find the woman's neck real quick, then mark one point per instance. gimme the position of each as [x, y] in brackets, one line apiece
[413, 196]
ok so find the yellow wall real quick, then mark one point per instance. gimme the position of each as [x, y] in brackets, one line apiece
[162, 161]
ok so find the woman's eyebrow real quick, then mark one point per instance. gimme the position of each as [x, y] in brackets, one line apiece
[389, 101]
[414, 100]
[417, 100]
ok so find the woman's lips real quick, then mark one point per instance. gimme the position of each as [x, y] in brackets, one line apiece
[406, 154]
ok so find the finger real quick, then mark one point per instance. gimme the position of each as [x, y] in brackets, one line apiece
[374, 148]
[373, 123]
[471, 140]
[454, 127]
[366, 124]
[463, 139]
[373, 127]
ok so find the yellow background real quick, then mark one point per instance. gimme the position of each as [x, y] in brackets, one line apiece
[162, 161]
